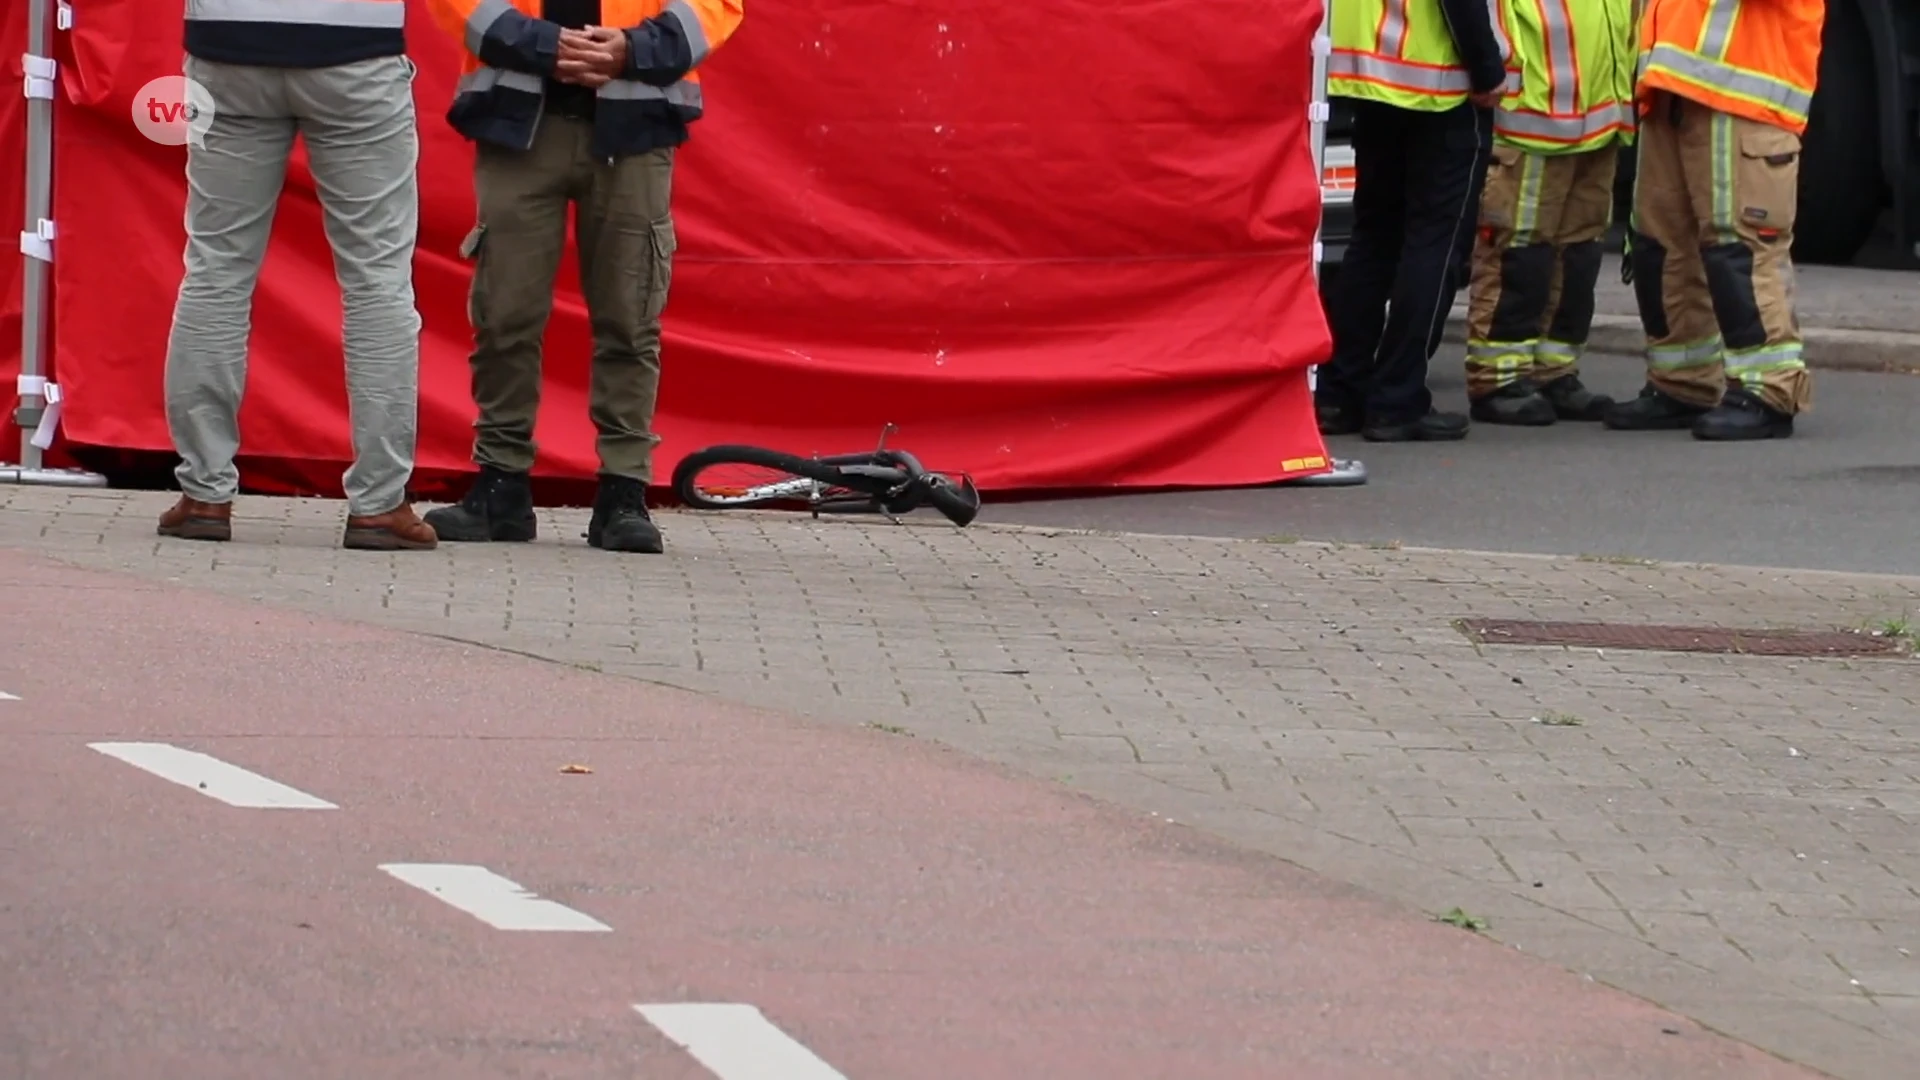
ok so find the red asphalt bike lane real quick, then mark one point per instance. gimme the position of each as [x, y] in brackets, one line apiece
[902, 911]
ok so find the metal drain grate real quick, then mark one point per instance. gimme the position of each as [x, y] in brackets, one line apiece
[1698, 639]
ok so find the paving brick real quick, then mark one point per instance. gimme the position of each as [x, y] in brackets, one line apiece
[1729, 835]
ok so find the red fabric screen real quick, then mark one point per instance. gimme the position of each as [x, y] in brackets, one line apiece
[1061, 246]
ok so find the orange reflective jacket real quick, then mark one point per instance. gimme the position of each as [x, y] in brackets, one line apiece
[1757, 59]
[511, 52]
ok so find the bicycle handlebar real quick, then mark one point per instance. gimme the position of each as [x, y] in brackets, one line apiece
[906, 463]
[960, 502]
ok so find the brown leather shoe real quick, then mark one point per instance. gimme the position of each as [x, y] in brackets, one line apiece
[399, 529]
[191, 519]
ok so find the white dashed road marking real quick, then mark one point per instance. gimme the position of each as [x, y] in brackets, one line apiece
[494, 900]
[4, 696]
[736, 1042]
[212, 777]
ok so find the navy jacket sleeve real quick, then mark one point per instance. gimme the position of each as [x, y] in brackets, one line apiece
[658, 52]
[517, 42]
[1471, 24]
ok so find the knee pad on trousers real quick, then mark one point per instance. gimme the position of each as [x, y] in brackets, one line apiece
[1730, 285]
[1526, 280]
[1579, 276]
[1649, 281]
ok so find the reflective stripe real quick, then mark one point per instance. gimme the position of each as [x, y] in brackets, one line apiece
[1727, 79]
[1502, 353]
[690, 22]
[1393, 28]
[484, 15]
[1717, 32]
[487, 78]
[1726, 159]
[1505, 360]
[1563, 70]
[1752, 366]
[1556, 354]
[1567, 129]
[1398, 73]
[1403, 75]
[1526, 205]
[1499, 31]
[1702, 353]
[683, 93]
[366, 14]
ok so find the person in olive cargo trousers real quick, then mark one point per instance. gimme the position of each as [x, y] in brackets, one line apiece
[572, 103]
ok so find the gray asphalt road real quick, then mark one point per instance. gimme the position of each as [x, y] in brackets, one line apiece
[1843, 494]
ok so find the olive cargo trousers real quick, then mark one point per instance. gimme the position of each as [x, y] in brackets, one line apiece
[1536, 261]
[624, 229]
[1713, 208]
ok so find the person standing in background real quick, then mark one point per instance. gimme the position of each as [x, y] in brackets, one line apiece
[1425, 76]
[1723, 95]
[1547, 207]
[575, 103]
[336, 75]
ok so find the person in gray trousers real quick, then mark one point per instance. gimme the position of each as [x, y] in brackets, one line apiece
[335, 73]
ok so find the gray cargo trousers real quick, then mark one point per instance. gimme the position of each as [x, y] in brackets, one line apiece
[363, 146]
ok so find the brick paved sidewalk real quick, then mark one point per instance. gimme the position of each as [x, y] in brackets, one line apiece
[1735, 837]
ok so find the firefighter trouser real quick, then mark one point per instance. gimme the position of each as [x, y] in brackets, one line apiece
[1535, 264]
[1713, 206]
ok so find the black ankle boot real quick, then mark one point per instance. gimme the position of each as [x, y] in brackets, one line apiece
[1515, 404]
[499, 506]
[620, 521]
[1742, 415]
[1571, 400]
[1653, 410]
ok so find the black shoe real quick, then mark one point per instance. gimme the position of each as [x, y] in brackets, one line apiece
[1572, 401]
[1742, 415]
[498, 507]
[620, 521]
[1433, 427]
[1653, 410]
[1515, 404]
[1336, 419]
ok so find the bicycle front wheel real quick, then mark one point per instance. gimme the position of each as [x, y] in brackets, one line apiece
[731, 477]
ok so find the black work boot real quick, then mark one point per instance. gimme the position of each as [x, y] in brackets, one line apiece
[499, 506]
[1653, 410]
[1573, 401]
[1336, 419]
[1515, 404]
[1742, 415]
[620, 521]
[1436, 426]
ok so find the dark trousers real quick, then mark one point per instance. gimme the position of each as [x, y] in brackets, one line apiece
[623, 223]
[1417, 185]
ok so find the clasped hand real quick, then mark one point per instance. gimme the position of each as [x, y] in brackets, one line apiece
[591, 57]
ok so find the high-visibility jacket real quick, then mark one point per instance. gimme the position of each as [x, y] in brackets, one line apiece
[1398, 52]
[295, 33]
[1577, 60]
[1757, 59]
[512, 52]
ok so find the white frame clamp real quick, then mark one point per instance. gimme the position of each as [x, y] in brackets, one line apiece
[37, 243]
[41, 71]
[49, 425]
[63, 16]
